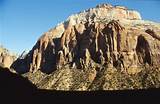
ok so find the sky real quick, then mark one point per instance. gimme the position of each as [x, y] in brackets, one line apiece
[22, 22]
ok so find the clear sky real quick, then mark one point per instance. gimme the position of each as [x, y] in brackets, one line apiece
[22, 22]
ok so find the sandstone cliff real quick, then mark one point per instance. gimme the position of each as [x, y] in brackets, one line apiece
[6, 57]
[92, 42]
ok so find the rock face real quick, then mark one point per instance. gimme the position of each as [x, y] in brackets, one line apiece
[6, 58]
[106, 36]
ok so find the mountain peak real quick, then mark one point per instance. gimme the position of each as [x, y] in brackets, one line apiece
[106, 12]
[90, 43]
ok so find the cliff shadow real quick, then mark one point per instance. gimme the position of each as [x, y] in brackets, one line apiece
[16, 89]
[143, 51]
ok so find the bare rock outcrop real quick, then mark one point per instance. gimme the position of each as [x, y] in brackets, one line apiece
[101, 38]
[98, 35]
[6, 58]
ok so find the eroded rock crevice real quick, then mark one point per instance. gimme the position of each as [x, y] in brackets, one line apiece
[143, 51]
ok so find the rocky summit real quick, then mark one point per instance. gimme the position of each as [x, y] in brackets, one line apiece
[102, 48]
